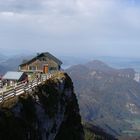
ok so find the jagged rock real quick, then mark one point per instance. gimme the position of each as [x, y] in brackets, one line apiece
[50, 112]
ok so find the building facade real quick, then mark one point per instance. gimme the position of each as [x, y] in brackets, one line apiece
[13, 77]
[43, 63]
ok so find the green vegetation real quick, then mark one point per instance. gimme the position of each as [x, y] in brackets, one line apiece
[136, 128]
[95, 133]
[9, 103]
[92, 136]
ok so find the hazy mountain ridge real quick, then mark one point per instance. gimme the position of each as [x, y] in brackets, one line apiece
[12, 63]
[108, 97]
[116, 62]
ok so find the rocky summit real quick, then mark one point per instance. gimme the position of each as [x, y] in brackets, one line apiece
[48, 112]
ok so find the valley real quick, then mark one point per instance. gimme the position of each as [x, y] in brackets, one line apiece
[108, 97]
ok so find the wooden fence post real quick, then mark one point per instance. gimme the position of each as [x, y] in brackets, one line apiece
[14, 91]
[2, 95]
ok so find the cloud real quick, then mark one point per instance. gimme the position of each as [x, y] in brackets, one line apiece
[95, 25]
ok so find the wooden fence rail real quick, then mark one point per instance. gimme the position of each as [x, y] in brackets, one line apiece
[21, 88]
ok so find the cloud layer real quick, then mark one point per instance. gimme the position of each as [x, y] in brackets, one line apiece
[98, 27]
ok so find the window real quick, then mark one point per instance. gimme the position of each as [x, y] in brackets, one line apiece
[53, 68]
[32, 67]
[43, 59]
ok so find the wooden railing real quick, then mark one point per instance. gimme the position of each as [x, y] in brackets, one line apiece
[22, 88]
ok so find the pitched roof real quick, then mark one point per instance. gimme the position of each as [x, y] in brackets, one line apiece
[13, 75]
[46, 54]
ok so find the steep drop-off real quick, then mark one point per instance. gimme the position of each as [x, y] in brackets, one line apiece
[48, 112]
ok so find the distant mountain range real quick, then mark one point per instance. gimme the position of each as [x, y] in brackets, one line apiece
[108, 97]
[116, 62]
[11, 63]
[121, 62]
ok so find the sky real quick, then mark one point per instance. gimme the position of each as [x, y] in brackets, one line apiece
[71, 27]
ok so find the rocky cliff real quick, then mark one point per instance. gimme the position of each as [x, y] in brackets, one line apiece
[48, 112]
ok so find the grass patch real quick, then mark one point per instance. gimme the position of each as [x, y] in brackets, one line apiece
[9, 103]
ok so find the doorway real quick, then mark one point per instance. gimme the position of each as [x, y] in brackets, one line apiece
[45, 69]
